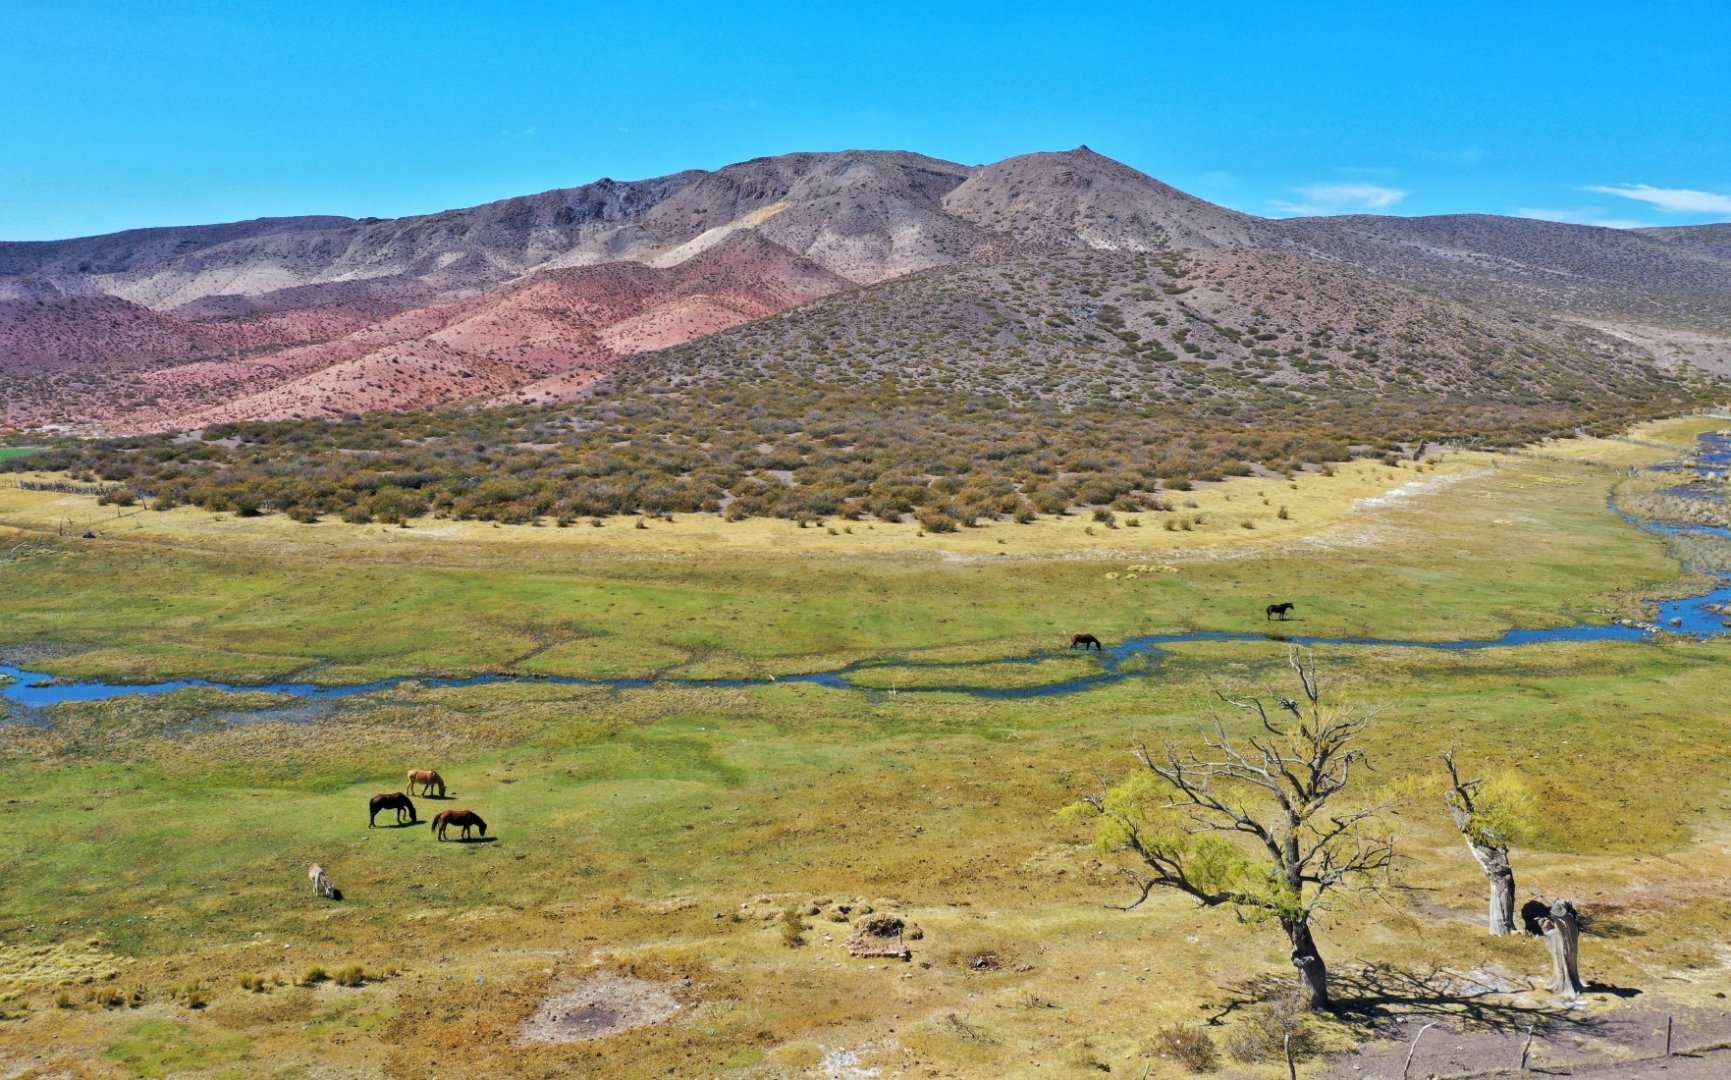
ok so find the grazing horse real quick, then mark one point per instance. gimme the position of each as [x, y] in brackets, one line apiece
[1086, 641]
[391, 800]
[1278, 609]
[463, 819]
[428, 779]
[322, 885]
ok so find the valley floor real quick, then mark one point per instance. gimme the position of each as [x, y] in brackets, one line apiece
[156, 917]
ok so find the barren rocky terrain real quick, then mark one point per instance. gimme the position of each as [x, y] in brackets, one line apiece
[1013, 277]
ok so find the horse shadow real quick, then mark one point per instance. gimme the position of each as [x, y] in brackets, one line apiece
[472, 840]
[399, 824]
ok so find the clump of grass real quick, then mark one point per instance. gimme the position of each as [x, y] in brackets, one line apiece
[64, 1000]
[194, 995]
[1263, 1034]
[314, 975]
[258, 984]
[352, 975]
[1186, 1044]
[1283, 514]
[792, 927]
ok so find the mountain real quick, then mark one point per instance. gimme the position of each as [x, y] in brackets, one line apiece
[1672, 276]
[530, 300]
[1237, 334]
[1058, 199]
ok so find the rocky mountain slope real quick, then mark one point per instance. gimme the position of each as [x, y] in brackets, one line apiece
[529, 300]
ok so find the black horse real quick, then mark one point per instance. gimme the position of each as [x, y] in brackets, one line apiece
[1281, 610]
[392, 800]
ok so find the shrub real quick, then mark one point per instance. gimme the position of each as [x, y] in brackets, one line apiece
[1262, 1035]
[792, 927]
[937, 521]
[1188, 1045]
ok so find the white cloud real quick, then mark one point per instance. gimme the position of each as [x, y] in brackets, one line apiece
[1340, 199]
[1585, 215]
[1670, 200]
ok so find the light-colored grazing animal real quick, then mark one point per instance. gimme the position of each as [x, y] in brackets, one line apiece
[322, 885]
[464, 819]
[428, 779]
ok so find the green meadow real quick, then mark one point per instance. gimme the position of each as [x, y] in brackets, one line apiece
[156, 857]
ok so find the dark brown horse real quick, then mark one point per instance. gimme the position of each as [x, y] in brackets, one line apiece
[428, 779]
[463, 819]
[1281, 610]
[1086, 641]
[391, 800]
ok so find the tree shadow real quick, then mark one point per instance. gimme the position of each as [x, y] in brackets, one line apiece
[1383, 1000]
[1381, 997]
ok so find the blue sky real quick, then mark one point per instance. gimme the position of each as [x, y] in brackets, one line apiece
[118, 115]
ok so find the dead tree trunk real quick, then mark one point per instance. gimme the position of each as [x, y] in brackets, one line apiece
[1487, 849]
[1562, 930]
[1312, 972]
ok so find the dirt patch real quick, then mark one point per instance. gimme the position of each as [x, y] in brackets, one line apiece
[601, 1005]
[879, 936]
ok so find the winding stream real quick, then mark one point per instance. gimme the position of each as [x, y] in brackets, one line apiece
[1695, 616]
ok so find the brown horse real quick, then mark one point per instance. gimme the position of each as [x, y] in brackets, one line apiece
[463, 819]
[1281, 610]
[1086, 641]
[428, 779]
[391, 800]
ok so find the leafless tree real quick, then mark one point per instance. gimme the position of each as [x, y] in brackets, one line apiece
[1487, 839]
[1248, 822]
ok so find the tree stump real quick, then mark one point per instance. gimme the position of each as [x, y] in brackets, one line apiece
[1562, 930]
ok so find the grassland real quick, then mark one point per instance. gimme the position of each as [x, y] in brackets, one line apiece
[158, 844]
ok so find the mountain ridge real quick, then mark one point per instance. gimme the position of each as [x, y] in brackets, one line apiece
[92, 329]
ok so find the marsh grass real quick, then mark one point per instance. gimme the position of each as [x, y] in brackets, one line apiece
[628, 820]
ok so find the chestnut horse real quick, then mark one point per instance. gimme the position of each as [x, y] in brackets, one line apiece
[428, 779]
[463, 819]
[1086, 641]
[391, 800]
[1281, 610]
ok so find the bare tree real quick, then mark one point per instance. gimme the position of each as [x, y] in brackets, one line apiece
[1247, 823]
[1487, 833]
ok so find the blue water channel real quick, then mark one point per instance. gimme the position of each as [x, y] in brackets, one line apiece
[1694, 616]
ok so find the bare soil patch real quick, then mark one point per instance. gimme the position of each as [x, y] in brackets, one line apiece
[601, 1005]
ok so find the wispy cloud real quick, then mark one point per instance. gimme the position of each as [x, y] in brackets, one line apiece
[1670, 200]
[1340, 199]
[1583, 215]
[517, 134]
